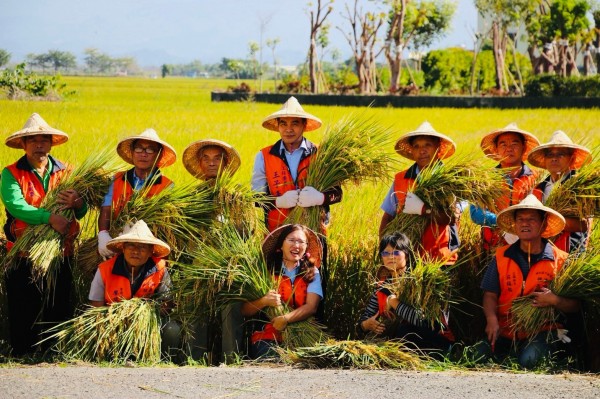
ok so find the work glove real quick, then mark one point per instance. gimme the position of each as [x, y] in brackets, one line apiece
[561, 333]
[510, 238]
[413, 205]
[310, 196]
[103, 239]
[288, 200]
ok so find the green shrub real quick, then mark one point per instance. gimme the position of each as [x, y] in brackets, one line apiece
[558, 86]
[20, 84]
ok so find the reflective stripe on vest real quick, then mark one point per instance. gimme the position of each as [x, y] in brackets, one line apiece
[435, 241]
[279, 181]
[292, 294]
[122, 191]
[512, 285]
[118, 288]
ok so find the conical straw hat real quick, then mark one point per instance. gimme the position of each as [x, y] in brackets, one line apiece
[139, 233]
[167, 156]
[36, 125]
[555, 222]
[447, 146]
[291, 109]
[488, 144]
[191, 154]
[314, 248]
[581, 155]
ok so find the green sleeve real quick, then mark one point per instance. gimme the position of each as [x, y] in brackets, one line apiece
[15, 203]
[79, 213]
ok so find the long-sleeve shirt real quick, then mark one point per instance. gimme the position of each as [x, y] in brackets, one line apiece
[403, 311]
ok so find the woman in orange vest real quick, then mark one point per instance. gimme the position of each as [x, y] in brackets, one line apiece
[137, 270]
[294, 253]
[24, 186]
[561, 158]
[510, 146]
[524, 269]
[386, 316]
[147, 153]
[425, 146]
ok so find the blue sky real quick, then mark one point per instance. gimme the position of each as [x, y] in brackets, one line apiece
[177, 31]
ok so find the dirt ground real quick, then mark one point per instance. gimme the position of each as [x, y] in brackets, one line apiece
[84, 381]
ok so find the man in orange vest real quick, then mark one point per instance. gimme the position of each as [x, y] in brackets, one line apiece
[138, 270]
[280, 170]
[561, 157]
[24, 185]
[147, 153]
[524, 269]
[510, 146]
[425, 146]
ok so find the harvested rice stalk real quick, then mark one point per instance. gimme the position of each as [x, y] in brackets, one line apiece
[126, 330]
[351, 151]
[42, 243]
[443, 184]
[579, 278]
[233, 270]
[578, 196]
[426, 286]
[354, 355]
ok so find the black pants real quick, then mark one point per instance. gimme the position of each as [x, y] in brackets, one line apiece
[34, 307]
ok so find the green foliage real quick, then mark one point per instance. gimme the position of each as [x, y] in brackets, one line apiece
[54, 59]
[429, 20]
[561, 86]
[20, 84]
[4, 57]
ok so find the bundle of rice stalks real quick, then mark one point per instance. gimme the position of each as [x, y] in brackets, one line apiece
[443, 184]
[427, 286]
[179, 216]
[354, 355]
[42, 243]
[578, 196]
[126, 330]
[231, 269]
[579, 278]
[353, 150]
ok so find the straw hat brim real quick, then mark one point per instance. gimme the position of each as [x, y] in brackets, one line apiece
[314, 248]
[312, 122]
[192, 162]
[168, 155]
[160, 248]
[555, 222]
[446, 150]
[580, 157]
[489, 147]
[58, 137]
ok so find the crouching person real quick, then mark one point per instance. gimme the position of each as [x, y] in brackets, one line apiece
[524, 269]
[137, 270]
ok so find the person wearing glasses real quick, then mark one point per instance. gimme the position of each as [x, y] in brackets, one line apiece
[385, 316]
[561, 158]
[147, 153]
[293, 253]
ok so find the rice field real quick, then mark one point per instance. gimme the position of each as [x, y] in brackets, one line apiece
[104, 110]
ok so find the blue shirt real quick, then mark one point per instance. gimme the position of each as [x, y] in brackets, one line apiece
[137, 184]
[314, 286]
[390, 202]
[259, 175]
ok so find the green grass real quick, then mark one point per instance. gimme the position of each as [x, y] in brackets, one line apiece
[105, 110]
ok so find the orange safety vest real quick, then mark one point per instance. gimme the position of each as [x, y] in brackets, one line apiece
[118, 287]
[279, 179]
[34, 193]
[123, 189]
[435, 241]
[515, 192]
[294, 295]
[512, 285]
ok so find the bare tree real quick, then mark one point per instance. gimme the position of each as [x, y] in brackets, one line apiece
[362, 40]
[264, 21]
[317, 17]
[272, 43]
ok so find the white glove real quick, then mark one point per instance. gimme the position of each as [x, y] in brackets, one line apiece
[413, 205]
[289, 199]
[510, 238]
[103, 239]
[310, 196]
[562, 335]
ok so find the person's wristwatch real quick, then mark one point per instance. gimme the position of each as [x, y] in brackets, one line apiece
[426, 211]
